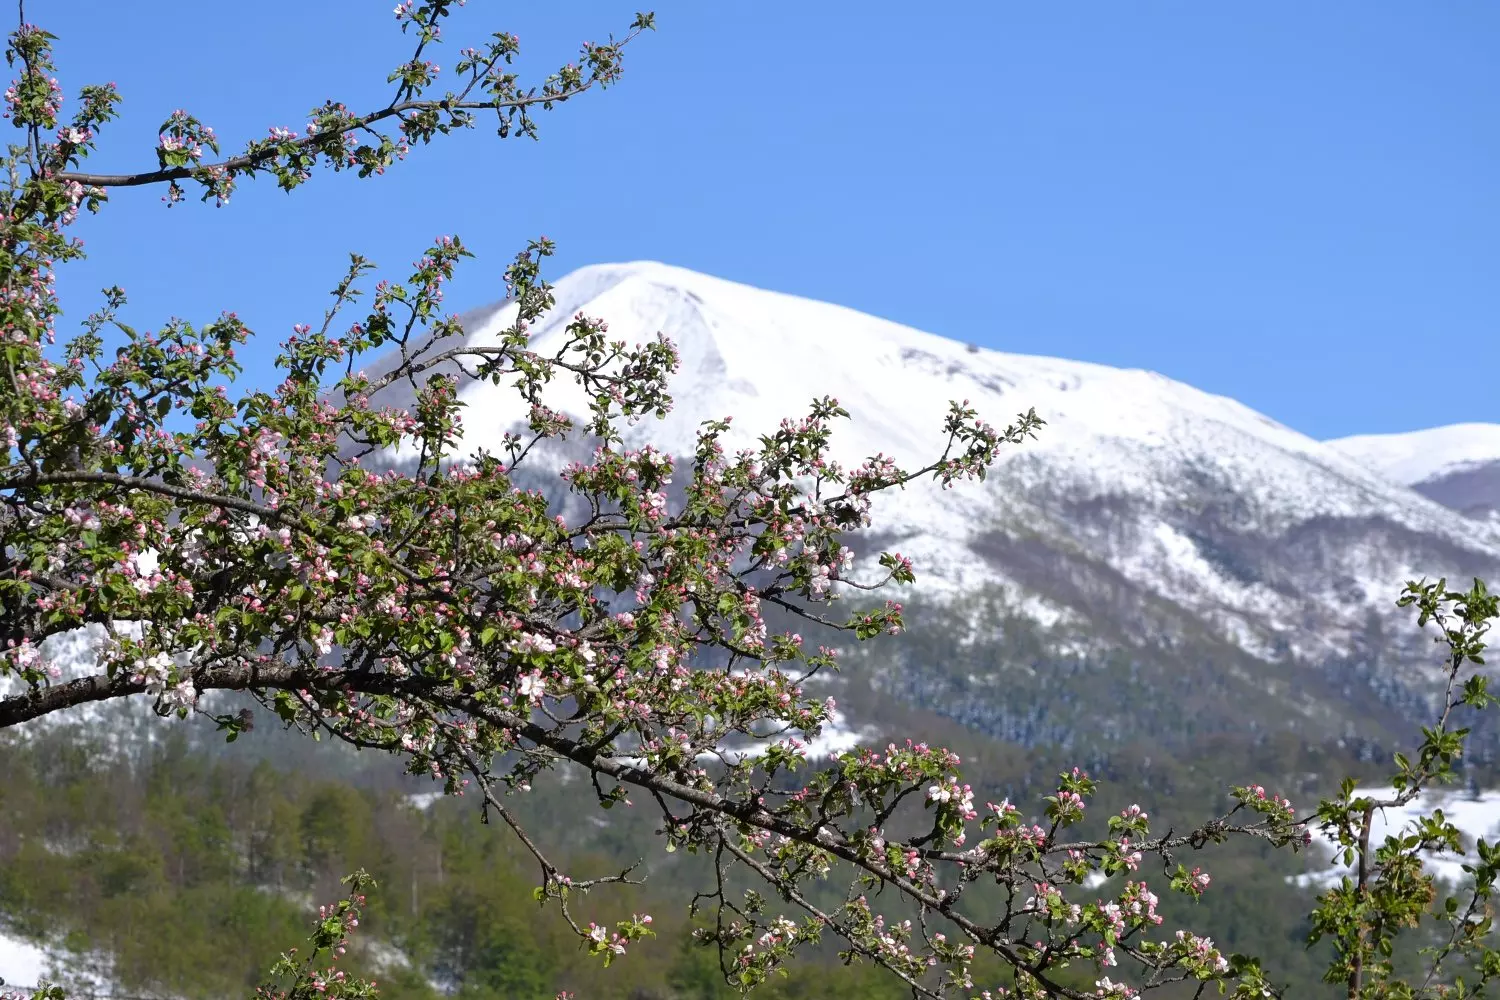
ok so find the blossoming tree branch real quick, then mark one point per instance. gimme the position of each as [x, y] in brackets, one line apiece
[350, 566]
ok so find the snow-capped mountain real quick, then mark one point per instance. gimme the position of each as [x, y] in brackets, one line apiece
[1457, 465]
[1147, 516]
[1143, 498]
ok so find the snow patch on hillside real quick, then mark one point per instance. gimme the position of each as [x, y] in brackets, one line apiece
[836, 736]
[22, 963]
[1420, 456]
[25, 964]
[119, 725]
[1475, 817]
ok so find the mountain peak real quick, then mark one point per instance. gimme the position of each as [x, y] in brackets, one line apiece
[761, 356]
[1422, 456]
[1138, 484]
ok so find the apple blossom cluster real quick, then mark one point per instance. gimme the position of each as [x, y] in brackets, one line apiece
[36, 97]
[612, 943]
[183, 139]
[171, 690]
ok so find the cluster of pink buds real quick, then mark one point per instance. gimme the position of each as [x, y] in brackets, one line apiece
[1201, 950]
[24, 658]
[1260, 793]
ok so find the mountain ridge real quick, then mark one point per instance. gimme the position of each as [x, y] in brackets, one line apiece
[1135, 477]
[1456, 465]
[1413, 457]
[1151, 523]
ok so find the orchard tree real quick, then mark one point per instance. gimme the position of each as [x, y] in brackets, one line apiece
[265, 541]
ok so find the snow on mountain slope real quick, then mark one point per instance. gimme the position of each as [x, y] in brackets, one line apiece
[1273, 540]
[761, 356]
[1458, 466]
[114, 728]
[22, 964]
[1476, 815]
[1421, 456]
[1148, 515]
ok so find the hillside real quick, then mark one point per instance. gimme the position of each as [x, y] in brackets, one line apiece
[1458, 465]
[1207, 544]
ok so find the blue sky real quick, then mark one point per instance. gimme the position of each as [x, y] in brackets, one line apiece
[1295, 204]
